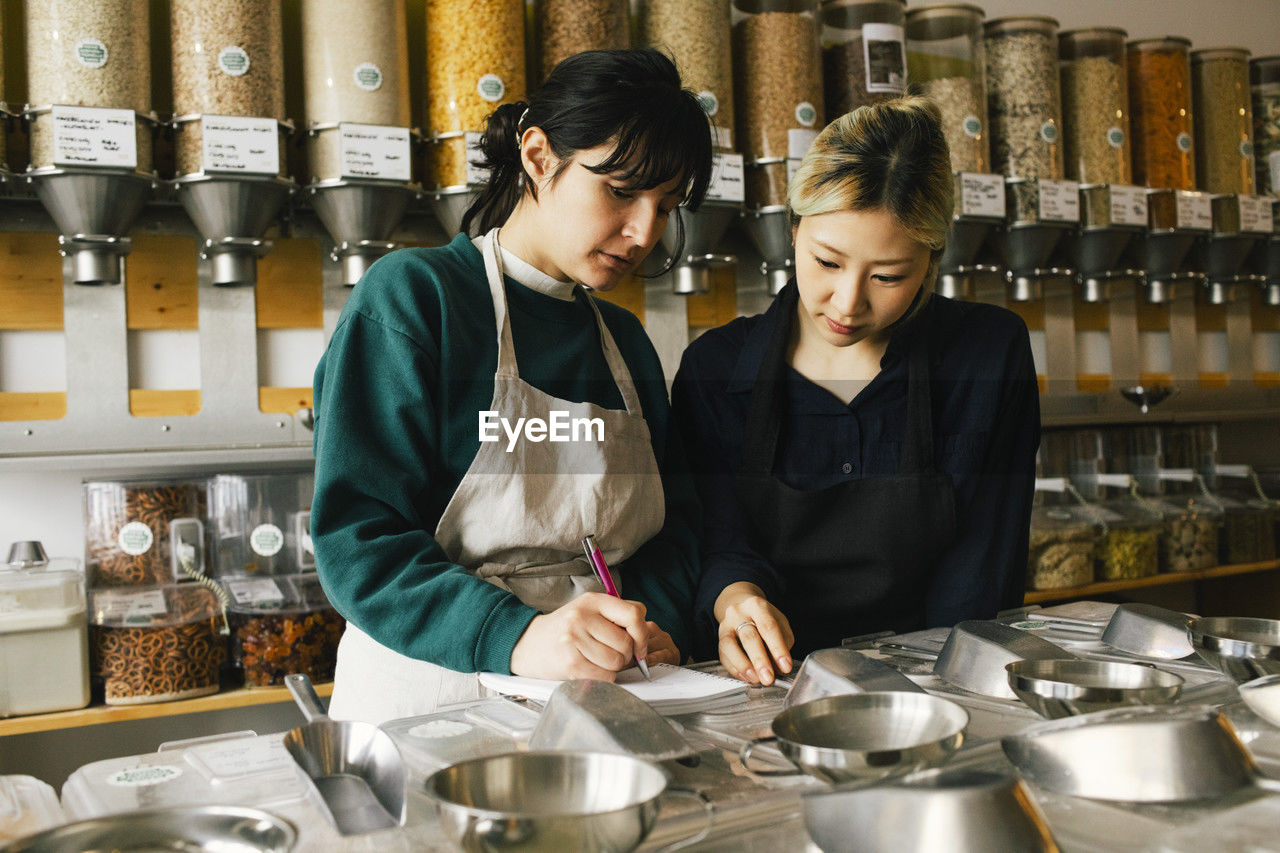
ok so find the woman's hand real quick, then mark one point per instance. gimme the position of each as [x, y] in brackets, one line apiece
[662, 649]
[593, 636]
[754, 635]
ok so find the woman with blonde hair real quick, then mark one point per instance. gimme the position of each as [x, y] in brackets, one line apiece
[865, 449]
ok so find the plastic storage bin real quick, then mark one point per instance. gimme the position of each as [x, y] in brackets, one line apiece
[946, 60]
[1248, 531]
[253, 523]
[1129, 549]
[130, 528]
[1063, 542]
[1189, 534]
[27, 806]
[44, 658]
[283, 625]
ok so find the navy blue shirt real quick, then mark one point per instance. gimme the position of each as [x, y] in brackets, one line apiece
[986, 416]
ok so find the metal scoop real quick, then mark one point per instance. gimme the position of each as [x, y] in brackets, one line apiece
[1149, 631]
[354, 766]
[836, 672]
[1137, 755]
[601, 717]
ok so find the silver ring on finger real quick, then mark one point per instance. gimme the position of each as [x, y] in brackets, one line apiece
[745, 624]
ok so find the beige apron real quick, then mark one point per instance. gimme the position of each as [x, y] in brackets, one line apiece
[517, 520]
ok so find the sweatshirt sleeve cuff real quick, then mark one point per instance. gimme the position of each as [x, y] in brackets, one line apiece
[501, 630]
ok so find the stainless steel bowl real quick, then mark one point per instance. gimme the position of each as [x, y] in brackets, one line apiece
[976, 652]
[836, 672]
[1148, 631]
[1262, 695]
[956, 810]
[227, 829]
[1063, 688]
[1242, 648]
[550, 801]
[865, 735]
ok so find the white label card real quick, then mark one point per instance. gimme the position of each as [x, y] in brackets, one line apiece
[722, 136]
[91, 136]
[254, 591]
[124, 605]
[475, 174]
[726, 179]
[374, 151]
[793, 165]
[1255, 214]
[798, 142]
[1194, 210]
[981, 194]
[1059, 201]
[1128, 205]
[885, 57]
[240, 144]
[1273, 164]
[242, 757]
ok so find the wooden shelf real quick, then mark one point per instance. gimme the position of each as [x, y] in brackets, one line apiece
[1039, 596]
[98, 714]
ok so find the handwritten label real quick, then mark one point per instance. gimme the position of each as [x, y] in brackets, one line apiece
[1194, 210]
[240, 144]
[1059, 201]
[375, 151]
[981, 194]
[1128, 205]
[91, 136]
[1255, 214]
[726, 179]
[242, 757]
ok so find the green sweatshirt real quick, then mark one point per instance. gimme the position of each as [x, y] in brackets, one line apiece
[397, 396]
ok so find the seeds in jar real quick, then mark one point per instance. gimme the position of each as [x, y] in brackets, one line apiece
[1224, 122]
[695, 33]
[960, 103]
[844, 77]
[475, 62]
[1188, 543]
[572, 26]
[1059, 559]
[777, 81]
[766, 185]
[1129, 553]
[1024, 103]
[1160, 115]
[1095, 124]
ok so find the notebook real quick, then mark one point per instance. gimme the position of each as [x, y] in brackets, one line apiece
[672, 690]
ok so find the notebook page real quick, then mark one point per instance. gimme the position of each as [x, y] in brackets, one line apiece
[670, 685]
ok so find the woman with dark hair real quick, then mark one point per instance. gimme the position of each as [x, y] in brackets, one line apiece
[478, 413]
[865, 449]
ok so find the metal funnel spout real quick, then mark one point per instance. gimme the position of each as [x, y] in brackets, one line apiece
[770, 231]
[360, 217]
[450, 205]
[702, 232]
[93, 211]
[232, 213]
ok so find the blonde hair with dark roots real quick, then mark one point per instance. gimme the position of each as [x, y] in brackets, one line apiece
[892, 156]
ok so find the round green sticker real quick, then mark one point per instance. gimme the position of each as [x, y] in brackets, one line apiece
[233, 60]
[91, 53]
[1049, 132]
[266, 540]
[1115, 137]
[1246, 149]
[368, 76]
[491, 88]
[709, 102]
[972, 126]
[806, 114]
[135, 538]
[1184, 141]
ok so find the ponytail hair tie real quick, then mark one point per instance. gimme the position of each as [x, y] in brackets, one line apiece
[519, 122]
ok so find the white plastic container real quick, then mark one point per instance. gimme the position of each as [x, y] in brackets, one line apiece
[44, 663]
[27, 805]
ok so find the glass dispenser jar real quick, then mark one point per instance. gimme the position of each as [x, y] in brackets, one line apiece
[1264, 86]
[863, 54]
[228, 61]
[945, 59]
[1024, 97]
[566, 27]
[90, 53]
[777, 69]
[1224, 119]
[475, 63]
[1189, 535]
[1095, 105]
[1129, 547]
[1161, 112]
[282, 625]
[1063, 542]
[134, 529]
[695, 33]
[357, 74]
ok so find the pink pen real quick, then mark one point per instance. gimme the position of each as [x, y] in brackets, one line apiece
[596, 559]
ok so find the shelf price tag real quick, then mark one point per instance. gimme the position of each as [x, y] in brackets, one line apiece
[375, 152]
[1194, 210]
[91, 136]
[1255, 214]
[1059, 201]
[255, 591]
[240, 145]
[1128, 205]
[129, 606]
[981, 194]
[726, 179]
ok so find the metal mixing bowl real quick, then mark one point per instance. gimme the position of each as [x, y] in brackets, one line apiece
[1241, 647]
[227, 829]
[1062, 688]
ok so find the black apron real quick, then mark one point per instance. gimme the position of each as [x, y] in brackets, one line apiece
[857, 556]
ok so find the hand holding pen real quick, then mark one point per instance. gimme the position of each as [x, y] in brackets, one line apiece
[596, 559]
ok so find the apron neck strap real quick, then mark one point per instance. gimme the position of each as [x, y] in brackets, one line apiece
[508, 367]
[764, 412]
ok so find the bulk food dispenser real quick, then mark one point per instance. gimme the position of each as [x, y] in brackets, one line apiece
[475, 63]
[1264, 86]
[696, 34]
[777, 70]
[1025, 107]
[89, 108]
[946, 62]
[359, 150]
[230, 128]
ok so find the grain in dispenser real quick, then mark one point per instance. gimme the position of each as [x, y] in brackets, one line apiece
[1264, 85]
[228, 103]
[89, 106]
[777, 69]
[1224, 119]
[696, 35]
[864, 60]
[566, 27]
[356, 85]
[475, 63]
[1161, 112]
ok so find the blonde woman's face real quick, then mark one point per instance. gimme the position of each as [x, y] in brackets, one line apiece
[858, 273]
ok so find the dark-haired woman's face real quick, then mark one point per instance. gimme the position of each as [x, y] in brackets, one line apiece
[599, 231]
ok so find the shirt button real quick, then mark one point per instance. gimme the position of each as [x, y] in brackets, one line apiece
[847, 468]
